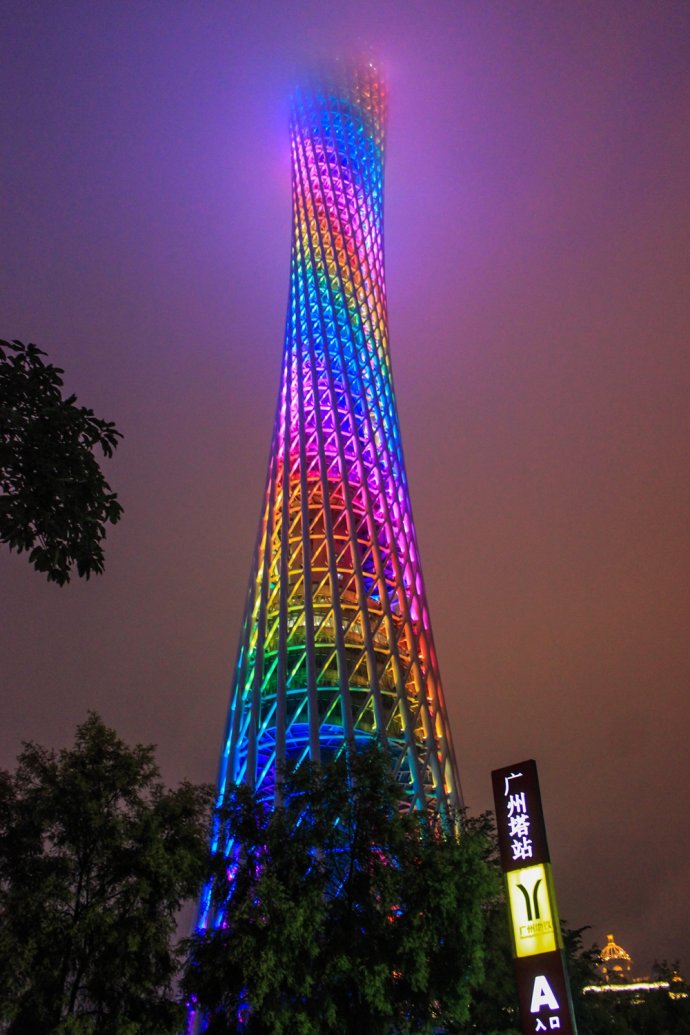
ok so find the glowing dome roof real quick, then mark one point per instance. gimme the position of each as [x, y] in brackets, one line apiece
[612, 955]
[612, 952]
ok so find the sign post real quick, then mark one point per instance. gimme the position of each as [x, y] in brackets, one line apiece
[543, 988]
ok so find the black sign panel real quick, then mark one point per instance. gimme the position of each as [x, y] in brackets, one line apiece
[544, 995]
[519, 816]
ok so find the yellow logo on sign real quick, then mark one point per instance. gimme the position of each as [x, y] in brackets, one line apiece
[530, 911]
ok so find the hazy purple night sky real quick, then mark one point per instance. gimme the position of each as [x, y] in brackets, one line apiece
[537, 260]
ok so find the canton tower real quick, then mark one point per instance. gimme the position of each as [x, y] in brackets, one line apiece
[336, 648]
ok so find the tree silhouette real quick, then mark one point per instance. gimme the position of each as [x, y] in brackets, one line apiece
[54, 500]
[341, 914]
[96, 857]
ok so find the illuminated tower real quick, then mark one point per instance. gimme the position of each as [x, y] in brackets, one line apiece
[336, 646]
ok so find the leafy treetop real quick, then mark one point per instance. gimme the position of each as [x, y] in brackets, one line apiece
[54, 500]
[339, 913]
[96, 858]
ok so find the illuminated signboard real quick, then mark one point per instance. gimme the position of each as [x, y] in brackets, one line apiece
[544, 994]
[529, 902]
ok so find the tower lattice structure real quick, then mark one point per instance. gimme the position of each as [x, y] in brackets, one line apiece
[336, 647]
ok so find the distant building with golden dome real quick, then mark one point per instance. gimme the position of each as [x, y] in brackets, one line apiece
[616, 964]
[615, 967]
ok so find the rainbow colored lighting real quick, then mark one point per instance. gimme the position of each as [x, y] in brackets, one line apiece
[336, 646]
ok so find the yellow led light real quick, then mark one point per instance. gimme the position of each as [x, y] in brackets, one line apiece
[530, 911]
